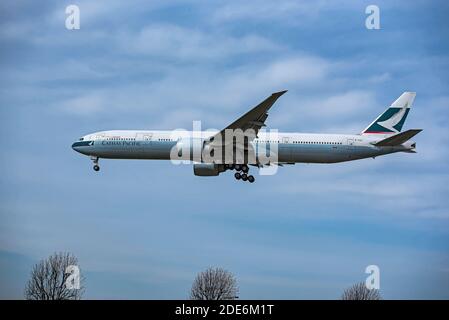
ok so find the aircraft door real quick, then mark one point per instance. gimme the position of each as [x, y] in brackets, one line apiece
[144, 140]
[349, 153]
[350, 144]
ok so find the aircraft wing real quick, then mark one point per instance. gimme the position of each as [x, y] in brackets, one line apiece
[253, 119]
[398, 139]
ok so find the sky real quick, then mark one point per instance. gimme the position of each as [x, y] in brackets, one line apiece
[144, 229]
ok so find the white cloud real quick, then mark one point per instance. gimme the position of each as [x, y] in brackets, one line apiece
[329, 111]
[390, 192]
[285, 11]
[172, 41]
[204, 89]
[85, 104]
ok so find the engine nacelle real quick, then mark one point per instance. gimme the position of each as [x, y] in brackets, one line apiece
[207, 169]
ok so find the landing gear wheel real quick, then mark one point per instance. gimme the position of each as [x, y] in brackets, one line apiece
[237, 175]
[244, 177]
[95, 160]
[251, 179]
[238, 167]
[245, 168]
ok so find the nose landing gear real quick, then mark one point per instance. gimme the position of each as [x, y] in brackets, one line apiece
[96, 166]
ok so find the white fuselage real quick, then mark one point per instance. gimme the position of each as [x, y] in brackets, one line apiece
[290, 147]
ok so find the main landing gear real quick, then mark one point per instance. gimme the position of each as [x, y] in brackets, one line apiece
[96, 166]
[242, 172]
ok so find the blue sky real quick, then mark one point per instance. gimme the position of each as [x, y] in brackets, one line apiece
[143, 229]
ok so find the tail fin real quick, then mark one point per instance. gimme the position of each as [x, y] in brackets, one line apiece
[392, 120]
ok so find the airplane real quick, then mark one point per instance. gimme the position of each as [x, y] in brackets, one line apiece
[382, 136]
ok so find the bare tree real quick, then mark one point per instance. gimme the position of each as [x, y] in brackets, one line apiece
[49, 279]
[214, 284]
[359, 291]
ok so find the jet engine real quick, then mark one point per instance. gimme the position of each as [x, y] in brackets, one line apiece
[208, 169]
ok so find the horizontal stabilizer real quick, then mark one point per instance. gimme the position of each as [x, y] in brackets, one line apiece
[398, 139]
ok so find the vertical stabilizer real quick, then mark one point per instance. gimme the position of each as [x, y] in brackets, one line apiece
[392, 120]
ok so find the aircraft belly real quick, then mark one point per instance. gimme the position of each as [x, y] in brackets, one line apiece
[317, 154]
[285, 153]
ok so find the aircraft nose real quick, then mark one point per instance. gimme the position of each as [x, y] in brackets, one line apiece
[75, 146]
[82, 146]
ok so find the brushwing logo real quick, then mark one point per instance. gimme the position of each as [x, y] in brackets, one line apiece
[394, 120]
[391, 121]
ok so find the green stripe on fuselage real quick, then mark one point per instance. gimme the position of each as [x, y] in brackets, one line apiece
[82, 144]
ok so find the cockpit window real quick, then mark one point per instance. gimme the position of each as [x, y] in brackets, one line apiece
[81, 139]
